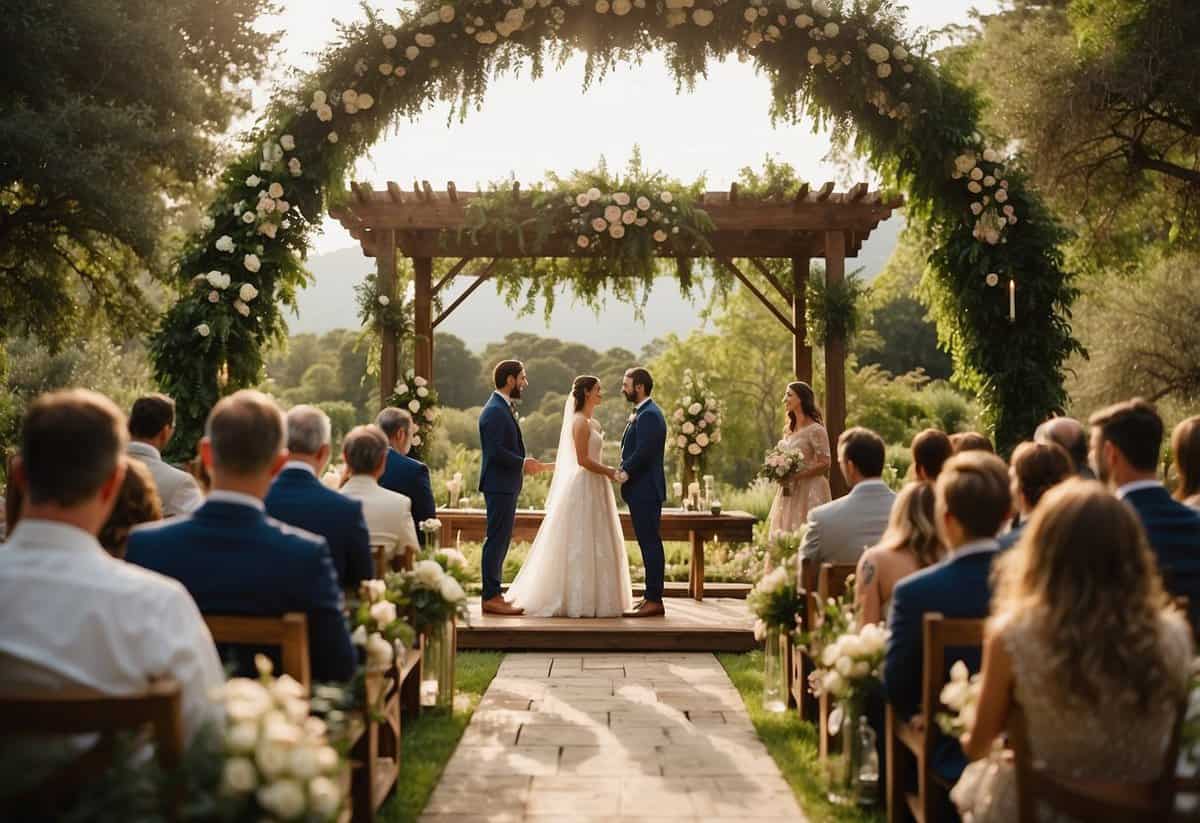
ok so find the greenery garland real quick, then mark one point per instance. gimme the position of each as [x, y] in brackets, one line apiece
[833, 310]
[842, 63]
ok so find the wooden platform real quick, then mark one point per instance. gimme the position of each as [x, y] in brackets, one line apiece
[712, 625]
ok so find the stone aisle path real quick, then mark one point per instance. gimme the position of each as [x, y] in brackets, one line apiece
[593, 737]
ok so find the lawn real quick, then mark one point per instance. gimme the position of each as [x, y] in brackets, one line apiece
[792, 742]
[429, 740]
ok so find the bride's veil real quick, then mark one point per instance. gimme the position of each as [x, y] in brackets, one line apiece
[566, 462]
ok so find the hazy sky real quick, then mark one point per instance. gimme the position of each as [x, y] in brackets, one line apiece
[527, 128]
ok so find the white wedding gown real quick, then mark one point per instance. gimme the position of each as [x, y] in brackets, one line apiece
[577, 566]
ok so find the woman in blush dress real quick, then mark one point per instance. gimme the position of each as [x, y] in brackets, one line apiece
[810, 488]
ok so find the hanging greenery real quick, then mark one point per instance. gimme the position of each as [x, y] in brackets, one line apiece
[833, 310]
[841, 63]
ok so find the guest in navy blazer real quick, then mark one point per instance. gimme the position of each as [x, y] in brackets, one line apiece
[404, 474]
[973, 501]
[504, 466]
[1035, 468]
[299, 499]
[233, 558]
[645, 486]
[1126, 441]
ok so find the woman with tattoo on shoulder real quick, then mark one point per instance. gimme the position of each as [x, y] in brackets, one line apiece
[910, 544]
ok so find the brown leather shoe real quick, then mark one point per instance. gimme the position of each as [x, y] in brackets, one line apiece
[648, 608]
[498, 605]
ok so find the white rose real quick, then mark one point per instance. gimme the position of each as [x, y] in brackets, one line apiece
[207, 223]
[414, 406]
[884, 70]
[693, 449]
[446, 14]
[899, 52]
[389, 41]
[831, 29]
[803, 21]
[283, 798]
[602, 6]
[1001, 196]
[241, 308]
[216, 279]
[877, 52]
[688, 428]
[253, 180]
[203, 330]
[302, 762]
[383, 613]
[324, 113]
[325, 797]
[384, 300]
[332, 136]
[451, 591]
[830, 654]
[621, 7]
[429, 573]
[702, 440]
[582, 200]
[373, 590]
[252, 263]
[695, 408]
[224, 243]
[422, 391]
[599, 224]
[844, 666]
[976, 209]
[412, 52]
[379, 651]
[832, 683]
[242, 737]
[239, 776]
[643, 203]
[861, 669]
[964, 163]
[760, 630]
[214, 297]
[822, 8]
[616, 231]
[753, 39]
[582, 241]
[666, 197]
[420, 381]
[660, 236]
[751, 14]
[318, 99]
[628, 217]
[294, 164]
[275, 190]
[248, 217]
[974, 187]
[612, 214]
[359, 636]
[271, 759]
[681, 441]
[425, 40]
[486, 37]
[815, 58]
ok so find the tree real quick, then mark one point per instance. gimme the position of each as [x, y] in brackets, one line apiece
[457, 372]
[110, 112]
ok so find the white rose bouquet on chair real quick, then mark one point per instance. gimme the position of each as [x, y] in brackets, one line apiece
[961, 696]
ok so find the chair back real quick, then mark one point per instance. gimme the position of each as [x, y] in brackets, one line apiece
[941, 633]
[831, 580]
[379, 552]
[78, 711]
[808, 573]
[1038, 788]
[289, 633]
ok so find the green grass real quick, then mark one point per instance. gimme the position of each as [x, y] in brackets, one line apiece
[792, 742]
[429, 740]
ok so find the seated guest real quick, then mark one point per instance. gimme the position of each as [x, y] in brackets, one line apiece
[1035, 469]
[1126, 439]
[1070, 434]
[403, 474]
[973, 501]
[839, 531]
[388, 513]
[930, 449]
[971, 442]
[70, 614]
[911, 543]
[1083, 639]
[137, 502]
[236, 560]
[1185, 446]
[151, 426]
[297, 497]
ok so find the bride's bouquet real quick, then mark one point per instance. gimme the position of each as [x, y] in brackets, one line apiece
[781, 466]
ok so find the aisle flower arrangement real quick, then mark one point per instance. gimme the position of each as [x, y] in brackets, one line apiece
[379, 625]
[419, 398]
[776, 602]
[695, 425]
[431, 593]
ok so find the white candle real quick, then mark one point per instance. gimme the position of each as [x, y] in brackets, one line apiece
[1012, 300]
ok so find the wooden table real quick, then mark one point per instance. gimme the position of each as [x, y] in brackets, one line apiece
[677, 525]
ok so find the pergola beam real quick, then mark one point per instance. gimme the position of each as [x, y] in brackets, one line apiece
[450, 275]
[772, 279]
[483, 275]
[762, 298]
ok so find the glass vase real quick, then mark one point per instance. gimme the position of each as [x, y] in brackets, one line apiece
[437, 666]
[433, 539]
[854, 768]
[774, 674]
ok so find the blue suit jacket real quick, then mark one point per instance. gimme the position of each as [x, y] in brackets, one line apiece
[299, 499]
[1174, 533]
[410, 478]
[958, 587]
[234, 559]
[503, 448]
[1010, 537]
[642, 447]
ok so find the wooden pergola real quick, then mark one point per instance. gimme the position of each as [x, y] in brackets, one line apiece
[816, 223]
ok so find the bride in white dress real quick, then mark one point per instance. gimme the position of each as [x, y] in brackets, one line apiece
[577, 566]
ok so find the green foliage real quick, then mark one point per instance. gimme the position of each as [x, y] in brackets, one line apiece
[457, 369]
[342, 418]
[909, 121]
[899, 407]
[110, 115]
[833, 311]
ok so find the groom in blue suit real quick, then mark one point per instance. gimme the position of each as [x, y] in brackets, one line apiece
[501, 476]
[644, 483]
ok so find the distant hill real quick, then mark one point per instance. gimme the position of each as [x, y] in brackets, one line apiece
[484, 318]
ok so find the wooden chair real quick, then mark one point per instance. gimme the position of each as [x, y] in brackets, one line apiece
[831, 582]
[904, 739]
[379, 553]
[289, 633]
[375, 755]
[801, 666]
[1036, 788]
[76, 711]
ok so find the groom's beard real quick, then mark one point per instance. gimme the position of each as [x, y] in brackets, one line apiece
[630, 396]
[515, 394]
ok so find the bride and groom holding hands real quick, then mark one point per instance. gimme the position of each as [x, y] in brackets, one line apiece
[577, 565]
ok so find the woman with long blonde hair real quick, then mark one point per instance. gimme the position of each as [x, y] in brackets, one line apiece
[1083, 637]
[911, 543]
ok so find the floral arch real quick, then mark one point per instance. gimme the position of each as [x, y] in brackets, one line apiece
[995, 279]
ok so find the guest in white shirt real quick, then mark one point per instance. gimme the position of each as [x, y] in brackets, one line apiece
[151, 426]
[388, 513]
[71, 614]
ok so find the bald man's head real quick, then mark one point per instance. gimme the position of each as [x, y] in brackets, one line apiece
[1068, 433]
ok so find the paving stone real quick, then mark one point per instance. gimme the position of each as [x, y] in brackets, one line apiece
[568, 794]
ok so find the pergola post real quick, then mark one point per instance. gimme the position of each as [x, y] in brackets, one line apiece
[802, 363]
[385, 261]
[423, 317]
[835, 359]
